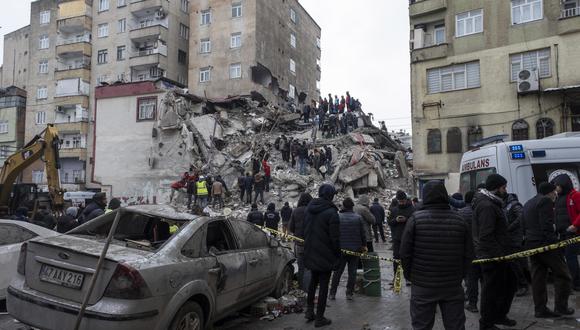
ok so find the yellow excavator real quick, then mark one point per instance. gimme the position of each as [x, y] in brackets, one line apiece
[43, 146]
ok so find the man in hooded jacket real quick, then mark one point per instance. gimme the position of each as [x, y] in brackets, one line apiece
[568, 211]
[321, 250]
[296, 228]
[397, 220]
[491, 239]
[94, 209]
[436, 267]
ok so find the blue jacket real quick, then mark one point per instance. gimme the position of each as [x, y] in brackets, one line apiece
[379, 212]
[352, 234]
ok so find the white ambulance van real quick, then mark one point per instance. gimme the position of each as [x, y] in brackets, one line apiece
[525, 164]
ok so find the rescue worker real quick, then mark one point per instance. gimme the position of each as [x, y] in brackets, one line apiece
[201, 192]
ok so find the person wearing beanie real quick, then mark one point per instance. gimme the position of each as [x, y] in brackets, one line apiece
[436, 267]
[456, 201]
[256, 217]
[94, 209]
[379, 212]
[114, 204]
[362, 208]
[271, 217]
[491, 239]
[321, 250]
[567, 222]
[285, 214]
[397, 221]
[539, 230]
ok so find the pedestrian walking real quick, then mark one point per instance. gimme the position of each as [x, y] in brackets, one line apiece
[473, 276]
[397, 220]
[491, 239]
[217, 192]
[296, 228]
[567, 222]
[285, 214]
[362, 209]
[352, 238]
[321, 250]
[539, 230]
[259, 186]
[435, 266]
[256, 217]
[379, 212]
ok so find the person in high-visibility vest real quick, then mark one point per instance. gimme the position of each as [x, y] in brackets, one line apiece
[202, 192]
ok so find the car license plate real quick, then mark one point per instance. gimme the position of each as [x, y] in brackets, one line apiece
[61, 276]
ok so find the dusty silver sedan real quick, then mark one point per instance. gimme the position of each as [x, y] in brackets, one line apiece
[163, 270]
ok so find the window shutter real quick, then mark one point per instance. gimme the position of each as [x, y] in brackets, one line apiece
[433, 85]
[473, 76]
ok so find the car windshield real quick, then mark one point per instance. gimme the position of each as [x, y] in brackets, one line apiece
[135, 230]
[470, 180]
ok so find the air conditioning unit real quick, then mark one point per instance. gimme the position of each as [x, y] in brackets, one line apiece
[528, 81]
[160, 14]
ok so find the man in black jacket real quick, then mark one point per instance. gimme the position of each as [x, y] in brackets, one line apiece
[285, 214]
[296, 227]
[436, 267]
[256, 217]
[539, 230]
[397, 220]
[491, 239]
[379, 212]
[513, 211]
[321, 250]
[94, 209]
[474, 275]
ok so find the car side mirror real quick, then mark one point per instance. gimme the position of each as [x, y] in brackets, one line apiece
[274, 243]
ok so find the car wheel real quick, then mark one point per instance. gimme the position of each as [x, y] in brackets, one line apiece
[189, 317]
[284, 282]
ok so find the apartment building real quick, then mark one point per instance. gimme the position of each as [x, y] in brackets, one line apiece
[16, 52]
[12, 114]
[272, 47]
[76, 45]
[484, 68]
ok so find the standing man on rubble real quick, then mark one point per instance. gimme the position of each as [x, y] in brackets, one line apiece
[306, 113]
[202, 192]
[217, 191]
[302, 156]
[256, 217]
[362, 209]
[294, 148]
[267, 173]
[248, 185]
[259, 185]
[284, 148]
[379, 212]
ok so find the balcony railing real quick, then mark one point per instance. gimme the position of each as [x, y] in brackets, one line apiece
[148, 23]
[570, 12]
[73, 40]
[145, 52]
[72, 66]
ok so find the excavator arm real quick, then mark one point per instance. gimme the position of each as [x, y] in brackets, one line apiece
[42, 145]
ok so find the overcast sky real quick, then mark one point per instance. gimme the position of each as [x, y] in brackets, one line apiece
[365, 50]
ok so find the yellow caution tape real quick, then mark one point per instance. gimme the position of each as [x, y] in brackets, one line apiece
[531, 252]
[398, 279]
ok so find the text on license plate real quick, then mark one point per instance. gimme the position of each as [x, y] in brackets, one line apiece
[61, 276]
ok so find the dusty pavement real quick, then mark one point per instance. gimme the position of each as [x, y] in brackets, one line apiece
[387, 312]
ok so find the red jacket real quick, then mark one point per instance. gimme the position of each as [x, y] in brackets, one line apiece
[573, 203]
[266, 168]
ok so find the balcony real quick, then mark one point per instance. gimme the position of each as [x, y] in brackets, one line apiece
[570, 12]
[71, 114]
[151, 56]
[80, 127]
[69, 47]
[140, 32]
[142, 5]
[83, 101]
[424, 7]
[429, 53]
[73, 9]
[72, 87]
[83, 72]
[80, 153]
[74, 24]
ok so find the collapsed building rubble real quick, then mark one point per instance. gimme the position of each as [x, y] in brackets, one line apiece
[221, 136]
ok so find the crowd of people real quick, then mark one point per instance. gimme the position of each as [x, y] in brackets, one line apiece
[202, 190]
[436, 240]
[332, 115]
[73, 216]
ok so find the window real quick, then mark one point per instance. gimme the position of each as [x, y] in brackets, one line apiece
[293, 15]
[185, 6]
[439, 34]
[524, 11]
[236, 40]
[454, 143]
[121, 77]
[571, 8]
[470, 22]
[318, 42]
[251, 237]
[102, 56]
[121, 3]
[192, 248]
[40, 118]
[205, 17]
[236, 10]
[453, 77]
[4, 150]
[434, 141]
[43, 66]
[535, 60]
[181, 56]
[205, 46]
[3, 127]
[474, 134]
[183, 31]
[41, 93]
[12, 234]
[292, 66]
[103, 30]
[103, 5]
[121, 25]
[235, 70]
[293, 40]
[520, 130]
[121, 53]
[146, 107]
[204, 75]
[43, 42]
[291, 91]
[37, 177]
[544, 128]
[318, 85]
[219, 239]
[45, 17]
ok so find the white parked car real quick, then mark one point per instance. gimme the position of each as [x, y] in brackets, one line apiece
[12, 234]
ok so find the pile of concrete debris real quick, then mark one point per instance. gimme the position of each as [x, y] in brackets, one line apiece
[221, 136]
